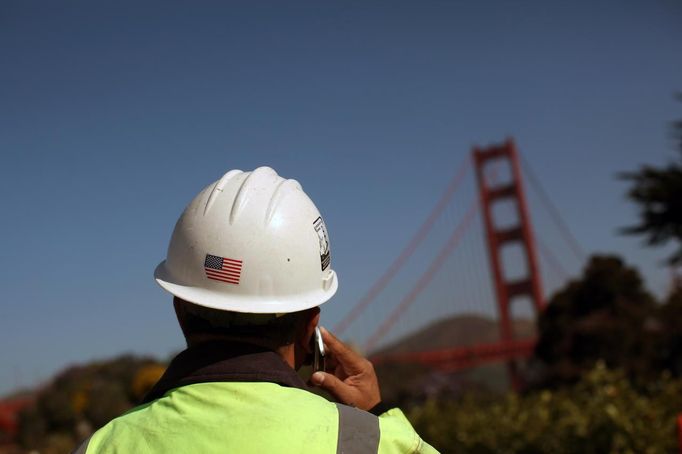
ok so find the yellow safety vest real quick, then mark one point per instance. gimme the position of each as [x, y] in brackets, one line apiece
[214, 414]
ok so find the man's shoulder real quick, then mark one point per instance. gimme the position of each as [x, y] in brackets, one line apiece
[247, 404]
[218, 399]
[255, 393]
[259, 410]
[398, 435]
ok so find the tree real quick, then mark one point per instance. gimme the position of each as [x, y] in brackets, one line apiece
[606, 314]
[670, 342]
[658, 193]
[83, 398]
[603, 413]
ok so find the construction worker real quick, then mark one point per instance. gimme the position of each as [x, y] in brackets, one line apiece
[249, 265]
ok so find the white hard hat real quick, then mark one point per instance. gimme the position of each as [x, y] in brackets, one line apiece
[250, 242]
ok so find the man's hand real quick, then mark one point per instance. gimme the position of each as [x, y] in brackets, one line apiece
[353, 380]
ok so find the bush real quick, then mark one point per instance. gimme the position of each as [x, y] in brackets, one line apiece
[602, 413]
[82, 399]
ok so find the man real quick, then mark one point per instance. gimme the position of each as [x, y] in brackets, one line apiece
[249, 265]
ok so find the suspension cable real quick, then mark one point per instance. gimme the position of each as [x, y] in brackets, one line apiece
[554, 212]
[416, 240]
[552, 259]
[425, 278]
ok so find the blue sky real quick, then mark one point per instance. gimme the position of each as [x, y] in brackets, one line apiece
[113, 116]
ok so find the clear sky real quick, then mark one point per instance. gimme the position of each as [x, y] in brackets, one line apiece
[113, 116]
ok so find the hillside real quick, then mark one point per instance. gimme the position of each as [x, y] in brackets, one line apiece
[459, 330]
[400, 383]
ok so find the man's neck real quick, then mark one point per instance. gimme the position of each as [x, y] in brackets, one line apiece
[286, 352]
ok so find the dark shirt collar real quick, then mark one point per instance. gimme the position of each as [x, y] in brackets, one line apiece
[220, 361]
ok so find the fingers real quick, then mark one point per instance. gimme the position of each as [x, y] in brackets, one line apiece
[340, 390]
[350, 360]
[353, 381]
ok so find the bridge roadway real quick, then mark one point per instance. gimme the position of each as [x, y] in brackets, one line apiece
[457, 358]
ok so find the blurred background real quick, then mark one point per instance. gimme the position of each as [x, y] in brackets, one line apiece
[113, 116]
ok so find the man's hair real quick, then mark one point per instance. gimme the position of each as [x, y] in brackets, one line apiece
[277, 329]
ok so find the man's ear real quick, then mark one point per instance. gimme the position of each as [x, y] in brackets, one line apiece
[310, 320]
[180, 312]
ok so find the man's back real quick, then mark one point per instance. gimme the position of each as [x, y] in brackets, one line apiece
[253, 417]
[226, 397]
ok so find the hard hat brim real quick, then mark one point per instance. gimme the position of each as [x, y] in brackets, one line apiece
[237, 303]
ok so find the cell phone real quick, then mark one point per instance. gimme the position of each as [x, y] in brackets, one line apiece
[318, 351]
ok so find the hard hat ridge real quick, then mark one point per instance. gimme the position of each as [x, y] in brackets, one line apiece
[256, 187]
[250, 242]
[219, 186]
[283, 189]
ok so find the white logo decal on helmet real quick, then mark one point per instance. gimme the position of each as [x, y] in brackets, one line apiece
[325, 253]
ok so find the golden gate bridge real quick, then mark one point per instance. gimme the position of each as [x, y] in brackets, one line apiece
[499, 174]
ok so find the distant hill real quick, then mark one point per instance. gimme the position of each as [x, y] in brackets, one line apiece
[459, 330]
[405, 382]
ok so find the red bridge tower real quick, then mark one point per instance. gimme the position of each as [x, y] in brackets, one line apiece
[498, 238]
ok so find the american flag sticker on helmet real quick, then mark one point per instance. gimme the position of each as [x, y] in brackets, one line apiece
[223, 269]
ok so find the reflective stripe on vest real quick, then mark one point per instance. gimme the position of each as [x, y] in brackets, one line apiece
[358, 431]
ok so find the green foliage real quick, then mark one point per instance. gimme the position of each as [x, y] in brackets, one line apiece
[607, 315]
[669, 346]
[82, 399]
[658, 194]
[602, 413]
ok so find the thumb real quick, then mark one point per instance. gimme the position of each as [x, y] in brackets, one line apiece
[330, 383]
